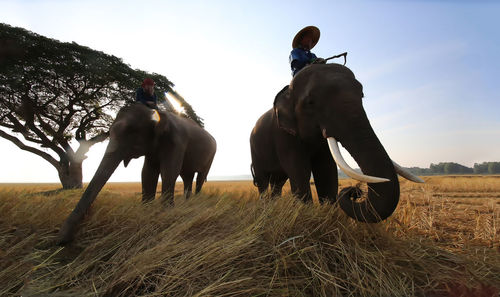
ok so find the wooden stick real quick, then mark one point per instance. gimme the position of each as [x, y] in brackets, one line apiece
[338, 56]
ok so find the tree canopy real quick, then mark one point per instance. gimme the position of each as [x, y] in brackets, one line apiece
[455, 168]
[56, 94]
[487, 168]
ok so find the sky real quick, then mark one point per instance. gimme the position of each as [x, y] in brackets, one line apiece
[430, 69]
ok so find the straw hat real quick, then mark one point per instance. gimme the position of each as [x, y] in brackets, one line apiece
[312, 31]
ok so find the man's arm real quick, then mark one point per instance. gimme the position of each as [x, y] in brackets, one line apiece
[297, 59]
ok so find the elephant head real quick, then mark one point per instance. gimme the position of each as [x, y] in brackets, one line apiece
[324, 104]
[132, 135]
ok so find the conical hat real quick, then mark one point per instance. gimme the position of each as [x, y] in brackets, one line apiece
[309, 30]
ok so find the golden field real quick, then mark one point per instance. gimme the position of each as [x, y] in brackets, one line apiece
[443, 240]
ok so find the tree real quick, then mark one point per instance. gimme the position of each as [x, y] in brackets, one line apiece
[455, 168]
[481, 168]
[418, 170]
[487, 168]
[57, 95]
[493, 167]
[437, 168]
[450, 168]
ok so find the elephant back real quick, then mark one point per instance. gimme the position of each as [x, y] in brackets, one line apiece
[331, 69]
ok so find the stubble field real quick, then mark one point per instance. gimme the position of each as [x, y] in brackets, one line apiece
[443, 240]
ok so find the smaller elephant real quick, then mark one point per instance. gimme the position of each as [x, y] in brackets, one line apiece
[172, 146]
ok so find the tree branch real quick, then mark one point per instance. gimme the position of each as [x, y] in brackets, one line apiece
[43, 137]
[21, 129]
[30, 149]
[86, 144]
[58, 137]
[89, 117]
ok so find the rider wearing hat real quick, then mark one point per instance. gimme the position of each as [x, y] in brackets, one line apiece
[302, 44]
[146, 94]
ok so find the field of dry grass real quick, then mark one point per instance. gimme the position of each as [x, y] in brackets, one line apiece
[443, 240]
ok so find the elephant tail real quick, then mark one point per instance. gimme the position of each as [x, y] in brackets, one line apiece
[253, 174]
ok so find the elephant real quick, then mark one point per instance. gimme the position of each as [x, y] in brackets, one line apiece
[298, 136]
[172, 146]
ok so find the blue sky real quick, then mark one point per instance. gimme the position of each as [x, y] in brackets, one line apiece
[430, 69]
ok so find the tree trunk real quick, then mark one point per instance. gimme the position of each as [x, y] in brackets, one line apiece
[71, 177]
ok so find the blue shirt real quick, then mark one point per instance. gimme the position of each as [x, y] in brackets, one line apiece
[299, 58]
[143, 97]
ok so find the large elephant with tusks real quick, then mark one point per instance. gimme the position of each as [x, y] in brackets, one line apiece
[172, 146]
[299, 135]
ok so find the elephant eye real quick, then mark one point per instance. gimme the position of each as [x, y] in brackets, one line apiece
[309, 102]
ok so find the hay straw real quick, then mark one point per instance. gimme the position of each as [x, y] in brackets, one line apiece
[232, 244]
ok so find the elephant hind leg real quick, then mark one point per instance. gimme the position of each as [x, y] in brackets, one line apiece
[187, 179]
[260, 180]
[262, 186]
[200, 180]
[150, 175]
[277, 182]
[201, 177]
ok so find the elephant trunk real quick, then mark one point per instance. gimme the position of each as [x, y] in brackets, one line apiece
[383, 196]
[108, 164]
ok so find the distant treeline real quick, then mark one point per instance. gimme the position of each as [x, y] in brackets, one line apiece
[455, 168]
[446, 168]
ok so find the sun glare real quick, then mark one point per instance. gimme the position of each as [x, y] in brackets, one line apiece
[175, 103]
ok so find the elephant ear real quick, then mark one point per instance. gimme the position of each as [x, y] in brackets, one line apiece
[284, 108]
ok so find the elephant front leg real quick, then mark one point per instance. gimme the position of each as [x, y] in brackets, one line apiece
[150, 174]
[167, 190]
[325, 175]
[170, 170]
[301, 188]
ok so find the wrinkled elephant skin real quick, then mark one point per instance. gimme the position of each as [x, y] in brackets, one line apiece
[172, 146]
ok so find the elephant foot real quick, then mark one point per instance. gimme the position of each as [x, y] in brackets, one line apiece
[147, 201]
[67, 232]
[63, 240]
[167, 202]
[305, 198]
[328, 200]
[148, 197]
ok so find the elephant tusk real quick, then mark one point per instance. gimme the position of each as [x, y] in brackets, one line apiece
[337, 156]
[406, 174]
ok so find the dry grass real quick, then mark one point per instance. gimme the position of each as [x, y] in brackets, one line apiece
[443, 240]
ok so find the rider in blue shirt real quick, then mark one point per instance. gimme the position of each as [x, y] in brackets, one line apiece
[302, 44]
[146, 94]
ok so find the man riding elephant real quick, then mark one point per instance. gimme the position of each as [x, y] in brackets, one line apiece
[147, 96]
[302, 44]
